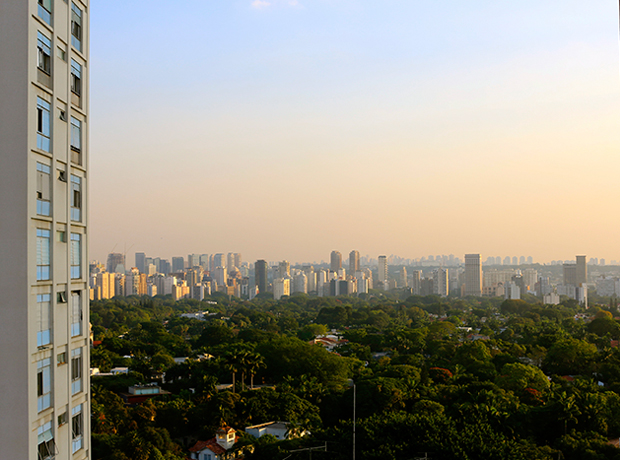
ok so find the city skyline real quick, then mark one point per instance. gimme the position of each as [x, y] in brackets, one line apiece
[445, 127]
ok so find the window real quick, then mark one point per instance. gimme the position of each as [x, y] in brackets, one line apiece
[61, 358]
[62, 54]
[76, 198]
[43, 125]
[76, 314]
[76, 27]
[76, 429]
[76, 256]
[61, 236]
[62, 419]
[45, 10]
[44, 384]
[76, 371]
[43, 189]
[44, 329]
[44, 53]
[76, 134]
[43, 254]
[46, 446]
[76, 77]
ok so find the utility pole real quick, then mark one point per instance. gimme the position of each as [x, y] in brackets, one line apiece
[354, 407]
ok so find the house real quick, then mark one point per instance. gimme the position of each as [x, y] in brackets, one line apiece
[139, 393]
[221, 447]
[280, 430]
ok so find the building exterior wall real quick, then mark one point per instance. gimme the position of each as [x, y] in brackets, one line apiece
[473, 275]
[28, 412]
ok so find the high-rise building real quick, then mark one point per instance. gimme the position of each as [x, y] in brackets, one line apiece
[473, 275]
[570, 274]
[44, 174]
[115, 263]
[383, 272]
[284, 269]
[335, 261]
[260, 275]
[178, 264]
[354, 261]
[141, 262]
[193, 260]
[581, 270]
[440, 281]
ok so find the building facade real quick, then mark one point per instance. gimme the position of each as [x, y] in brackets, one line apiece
[473, 275]
[44, 345]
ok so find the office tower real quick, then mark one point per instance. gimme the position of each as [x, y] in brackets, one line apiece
[581, 273]
[230, 261]
[44, 174]
[383, 271]
[570, 274]
[141, 262]
[335, 259]
[178, 264]
[219, 260]
[164, 267]
[354, 261]
[440, 281]
[260, 275]
[115, 263]
[204, 262]
[236, 260]
[473, 275]
[193, 260]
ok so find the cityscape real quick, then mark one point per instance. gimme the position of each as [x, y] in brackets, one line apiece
[200, 275]
[284, 130]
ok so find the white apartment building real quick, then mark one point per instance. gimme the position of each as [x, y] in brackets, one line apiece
[44, 345]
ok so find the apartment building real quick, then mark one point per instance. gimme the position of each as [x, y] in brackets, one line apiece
[44, 345]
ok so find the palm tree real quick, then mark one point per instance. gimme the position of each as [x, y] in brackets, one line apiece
[254, 363]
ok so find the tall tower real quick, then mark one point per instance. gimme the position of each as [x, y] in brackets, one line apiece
[260, 275]
[354, 262]
[581, 271]
[383, 271]
[335, 261]
[44, 345]
[473, 275]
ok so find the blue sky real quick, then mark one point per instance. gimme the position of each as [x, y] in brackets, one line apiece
[285, 129]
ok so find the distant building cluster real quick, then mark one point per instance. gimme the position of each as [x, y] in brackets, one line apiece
[201, 275]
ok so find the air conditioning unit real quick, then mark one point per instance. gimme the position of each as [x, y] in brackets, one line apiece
[62, 176]
[62, 297]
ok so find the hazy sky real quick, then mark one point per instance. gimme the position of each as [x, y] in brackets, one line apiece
[284, 129]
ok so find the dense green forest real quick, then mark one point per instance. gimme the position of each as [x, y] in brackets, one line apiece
[533, 382]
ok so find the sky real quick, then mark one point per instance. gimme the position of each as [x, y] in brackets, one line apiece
[285, 129]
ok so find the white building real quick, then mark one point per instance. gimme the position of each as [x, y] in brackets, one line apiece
[281, 287]
[44, 387]
[382, 272]
[440, 281]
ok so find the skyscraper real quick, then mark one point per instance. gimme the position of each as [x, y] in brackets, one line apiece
[354, 262]
[115, 263]
[383, 272]
[44, 388]
[335, 259]
[473, 275]
[260, 275]
[141, 262]
[581, 271]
